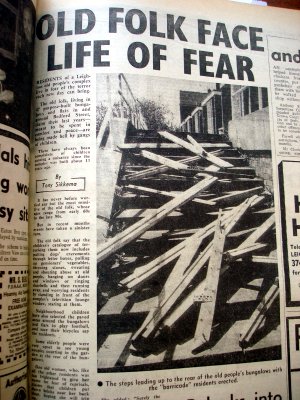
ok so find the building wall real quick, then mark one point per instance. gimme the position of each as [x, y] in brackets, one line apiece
[262, 162]
[251, 132]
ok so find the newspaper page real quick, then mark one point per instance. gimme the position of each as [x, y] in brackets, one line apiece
[16, 68]
[165, 165]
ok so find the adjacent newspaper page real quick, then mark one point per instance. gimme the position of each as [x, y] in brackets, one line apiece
[165, 171]
[16, 68]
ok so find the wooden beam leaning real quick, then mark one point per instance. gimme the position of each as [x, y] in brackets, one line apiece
[134, 146]
[180, 142]
[243, 232]
[193, 297]
[259, 232]
[138, 228]
[196, 148]
[228, 174]
[250, 244]
[164, 160]
[189, 300]
[141, 213]
[265, 260]
[184, 261]
[199, 150]
[146, 173]
[205, 320]
[142, 274]
[146, 190]
[237, 195]
[155, 317]
[191, 245]
[209, 295]
[234, 254]
[241, 209]
[156, 170]
[197, 293]
[258, 315]
[209, 157]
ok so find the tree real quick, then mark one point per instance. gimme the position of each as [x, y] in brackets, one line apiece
[100, 114]
[157, 116]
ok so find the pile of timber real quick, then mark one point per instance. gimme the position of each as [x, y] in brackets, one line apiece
[191, 253]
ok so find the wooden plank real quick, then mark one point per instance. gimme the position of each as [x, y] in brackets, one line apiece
[215, 171]
[172, 177]
[143, 306]
[250, 243]
[154, 318]
[259, 232]
[184, 261]
[107, 118]
[237, 195]
[156, 170]
[111, 350]
[142, 213]
[104, 126]
[144, 273]
[134, 146]
[140, 227]
[265, 259]
[209, 157]
[241, 233]
[239, 252]
[184, 232]
[209, 295]
[147, 190]
[237, 158]
[182, 307]
[164, 160]
[248, 169]
[180, 142]
[153, 234]
[115, 305]
[240, 210]
[192, 244]
[212, 168]
[270, 210]
[146, 173]
[189, 300]
[241, 178]
[258, 315]
[215, 152]
[196, 148]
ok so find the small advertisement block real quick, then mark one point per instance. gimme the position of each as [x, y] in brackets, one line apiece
[289, 172]
[293, 330]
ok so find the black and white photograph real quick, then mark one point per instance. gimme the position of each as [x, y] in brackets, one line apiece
[16, 63]
[186, 243]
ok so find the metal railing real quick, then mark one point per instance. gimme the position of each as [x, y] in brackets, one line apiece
[121, 104]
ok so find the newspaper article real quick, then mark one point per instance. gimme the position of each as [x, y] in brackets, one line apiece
[164, 215]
